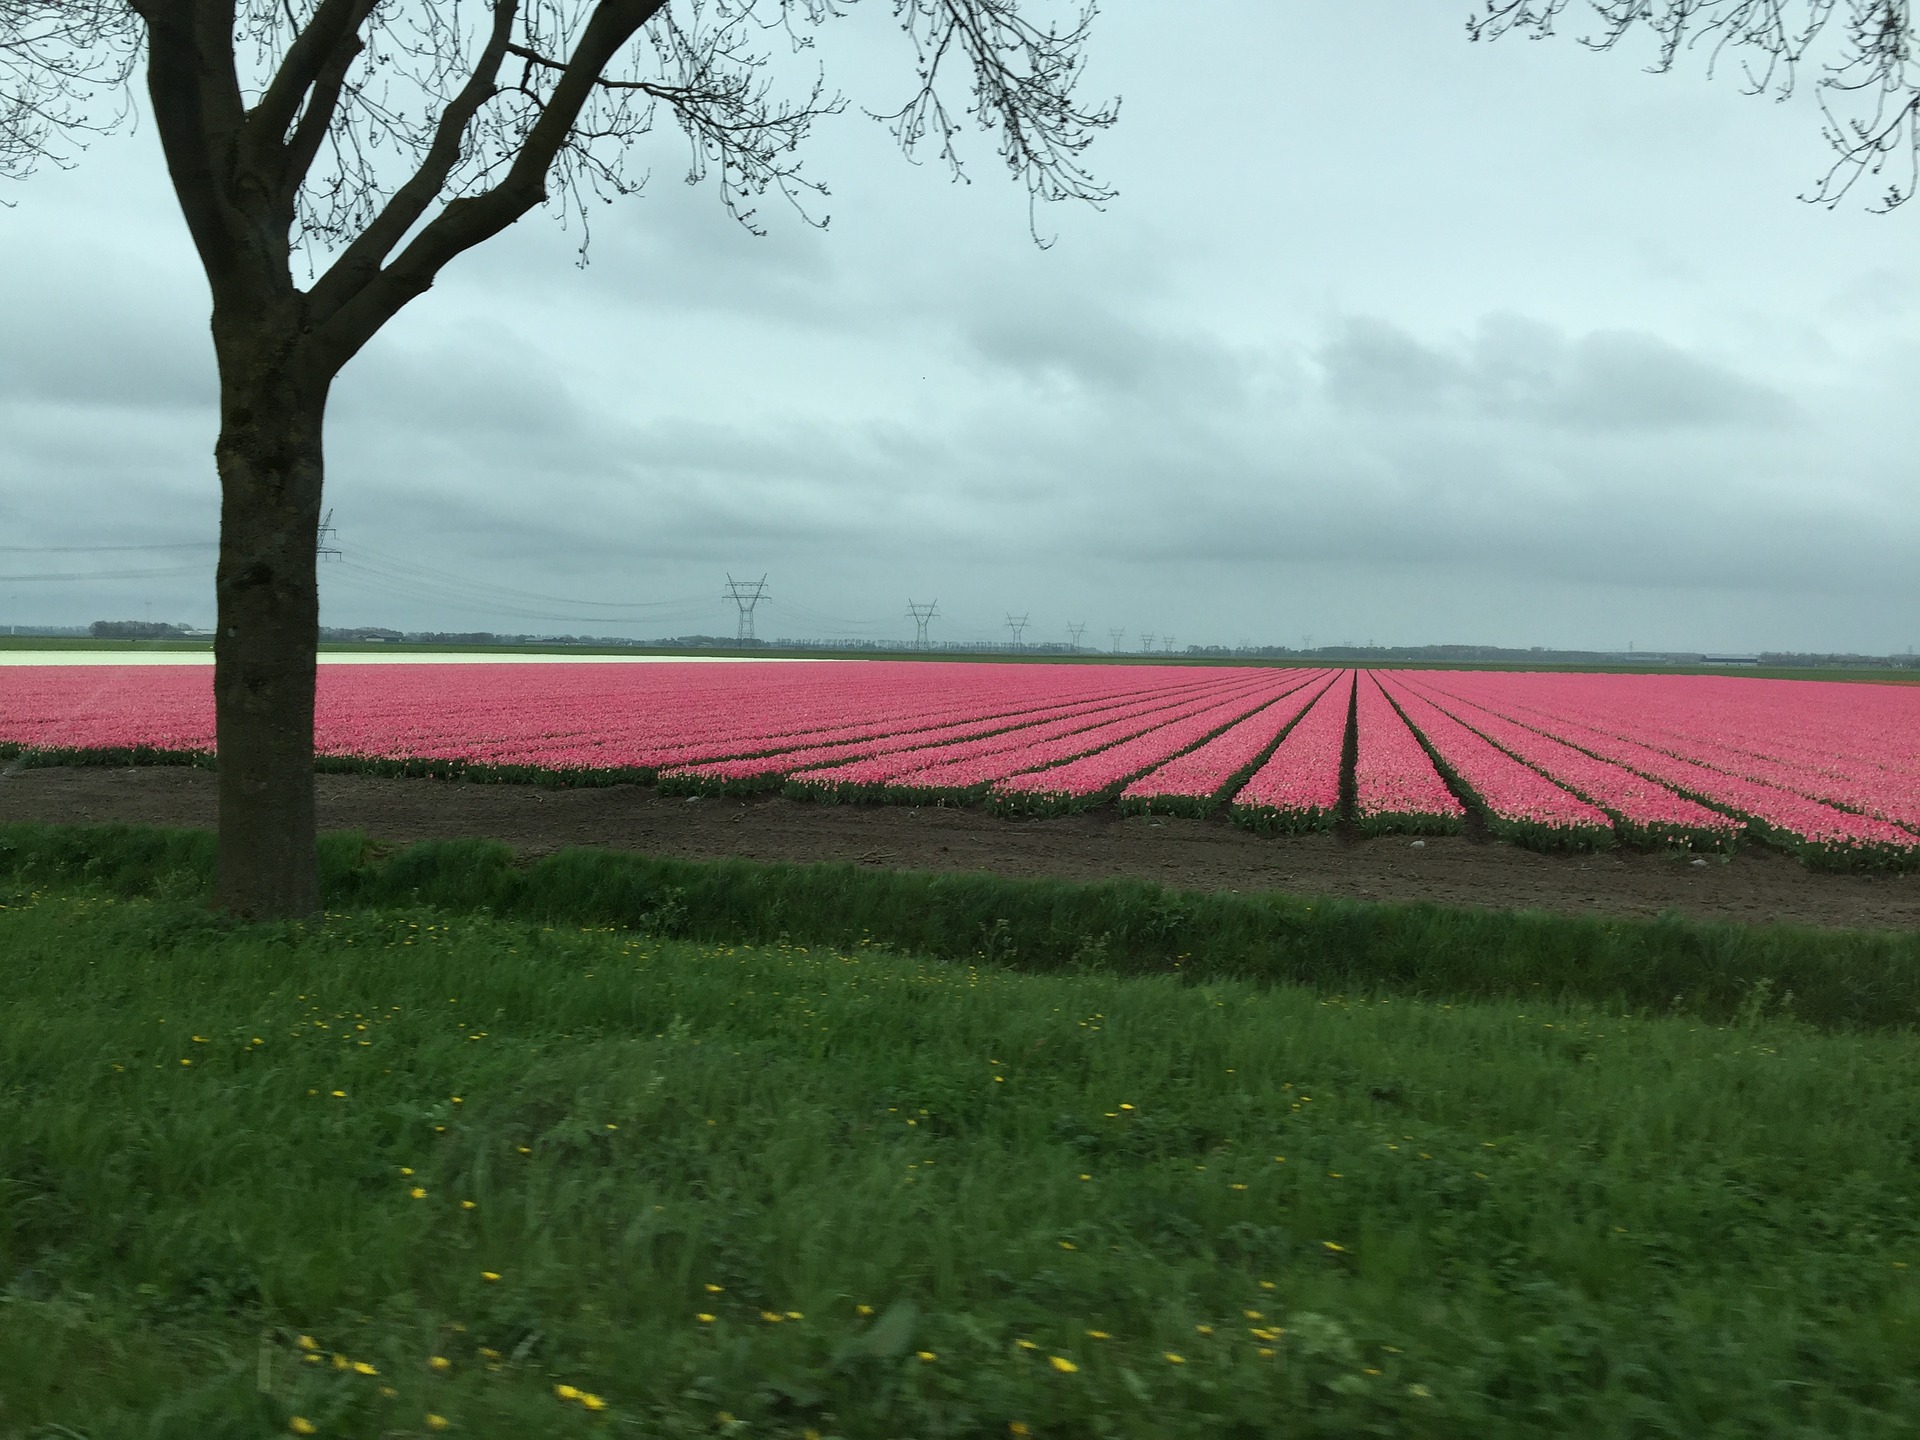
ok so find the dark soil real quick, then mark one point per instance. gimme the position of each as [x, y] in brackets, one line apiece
[1756, 886]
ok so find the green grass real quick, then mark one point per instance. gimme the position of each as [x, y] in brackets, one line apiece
[1670, 964]
[1498, 1219]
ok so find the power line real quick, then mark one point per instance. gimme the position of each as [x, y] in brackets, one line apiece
[94, 549]
[58, 575]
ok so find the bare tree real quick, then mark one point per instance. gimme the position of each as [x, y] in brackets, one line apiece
[369, 142]
[1867, 81]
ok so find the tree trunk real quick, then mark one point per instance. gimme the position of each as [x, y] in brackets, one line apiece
[272, 402]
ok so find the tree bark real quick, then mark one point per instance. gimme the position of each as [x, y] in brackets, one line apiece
[272, 403]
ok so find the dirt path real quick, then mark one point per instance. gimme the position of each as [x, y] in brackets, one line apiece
[1756, 886]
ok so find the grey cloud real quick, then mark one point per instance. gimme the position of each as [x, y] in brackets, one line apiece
[1520, 369]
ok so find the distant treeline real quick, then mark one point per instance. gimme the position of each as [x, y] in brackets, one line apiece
[137, 630]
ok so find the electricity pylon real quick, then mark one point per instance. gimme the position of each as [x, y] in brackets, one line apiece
[746, 594]
[1076, 631]
[921, 615]
[1166, 642]
[1146, 641]
[1118, 636]
[1016, 624]
[327, 550]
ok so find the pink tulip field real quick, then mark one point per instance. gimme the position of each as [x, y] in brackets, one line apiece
[1829, 771]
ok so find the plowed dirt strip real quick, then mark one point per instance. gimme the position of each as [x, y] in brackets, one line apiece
[1196, 782]
[1298, 788]
[1794, 819]
[1394, 783]
[776, 762]
[1093, 778]
[1642, 809]
[1520, 803]
[958, 770]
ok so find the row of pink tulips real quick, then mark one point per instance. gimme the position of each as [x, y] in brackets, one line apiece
[1806, 752]
[1821, 832]
[955, 771]
[1298, 788]
[1519, 803]
[1095, 777]
[1198, 781]
[1395, 786]
[1641, 809]
[912, 747]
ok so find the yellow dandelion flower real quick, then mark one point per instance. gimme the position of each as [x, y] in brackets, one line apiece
[1098, 1335]
[1062, 1364]
[795, 1315]
[1026, 1345]
[772, 1317]
[1204, 1329]
[524, 1149]
[1068, 1245]
[361, 1367]
[340, 1362]
[186, 1062]
[1086, 1177]
[566, 1392]
[863, 1309]
[339, 1094]
[591, 1401]
[1266, 1284]
[927, 1355]
[1014, 1427]
[1253, 1314]
[1265, 1350]
[489, 1275]
[300, 1425]
[307, 1342]
[704, 1318]
[713, 1289]
[1336, 1248]
[466, 1205]
[440, 1362]
[406, 1169]
[418, 1192]
[1173, 1359]
[1236, 1186]
[436, 1422]
[388, 1391]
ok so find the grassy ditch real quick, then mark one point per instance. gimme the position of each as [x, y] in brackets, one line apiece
[414, 1170]
[1667, 965]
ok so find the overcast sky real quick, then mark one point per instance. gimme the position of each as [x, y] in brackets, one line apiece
[1388, 337]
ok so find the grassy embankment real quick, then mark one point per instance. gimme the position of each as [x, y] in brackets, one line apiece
[725, 1189]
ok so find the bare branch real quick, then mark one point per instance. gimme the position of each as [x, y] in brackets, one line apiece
[1022, 87]
[56, 58]
[1869, 90]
